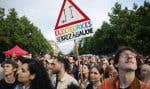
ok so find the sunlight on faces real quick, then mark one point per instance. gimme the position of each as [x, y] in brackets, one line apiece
[24, 75]
[127, 60]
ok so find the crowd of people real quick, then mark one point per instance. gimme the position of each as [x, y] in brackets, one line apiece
[124, 70]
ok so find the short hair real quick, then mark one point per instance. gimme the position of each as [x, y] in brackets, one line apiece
[74, 58]
[122, 49]
[64, 61]
[9, 61]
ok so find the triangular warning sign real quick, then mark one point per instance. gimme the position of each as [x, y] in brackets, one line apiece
[70, 14]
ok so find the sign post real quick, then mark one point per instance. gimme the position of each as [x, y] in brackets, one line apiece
[72, 24]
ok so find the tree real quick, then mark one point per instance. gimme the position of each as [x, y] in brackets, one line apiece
[125, 28]
[143, 34]
[21, 31]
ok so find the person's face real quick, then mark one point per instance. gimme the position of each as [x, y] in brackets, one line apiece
[24, 75]
[95, 75]
[127, 60]
[8, 69]
[104, 61]
[112, 71]
[85, 69]
[56, 67]
[93, 59]
[71, 60]
[49, 66]
[145, 70]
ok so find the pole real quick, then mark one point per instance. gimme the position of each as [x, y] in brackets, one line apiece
[76, 49]
[79, 64]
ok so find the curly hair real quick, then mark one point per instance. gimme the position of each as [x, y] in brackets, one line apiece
[9, 61]
[41, 80]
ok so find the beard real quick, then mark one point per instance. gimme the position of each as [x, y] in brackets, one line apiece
[55, 71]
[129, 67]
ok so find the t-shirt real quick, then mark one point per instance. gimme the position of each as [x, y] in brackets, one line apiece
[4, 85]
[65, 81]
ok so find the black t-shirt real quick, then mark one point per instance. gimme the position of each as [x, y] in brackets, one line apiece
[4, 85]
[90, 86]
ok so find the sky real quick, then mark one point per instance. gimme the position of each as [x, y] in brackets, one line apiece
[44, 13]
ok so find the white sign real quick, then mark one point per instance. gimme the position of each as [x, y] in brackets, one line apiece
[72, 23]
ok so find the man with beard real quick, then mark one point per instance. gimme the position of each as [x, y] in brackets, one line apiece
[9, 69]
[126, 62]
[60, 68]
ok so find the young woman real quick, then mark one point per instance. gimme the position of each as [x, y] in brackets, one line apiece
[84, 81]
[33, 75]
[96, 77]
[145, 73]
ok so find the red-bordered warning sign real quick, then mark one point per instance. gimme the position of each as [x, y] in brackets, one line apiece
[72, 23]
[70, 14]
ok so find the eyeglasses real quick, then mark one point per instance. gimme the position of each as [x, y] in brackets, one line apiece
[126, 55]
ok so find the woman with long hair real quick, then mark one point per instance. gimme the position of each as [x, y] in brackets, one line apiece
[84, 74]
[96, 77]
[33, 75]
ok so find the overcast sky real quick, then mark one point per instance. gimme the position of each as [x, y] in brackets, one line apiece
[44, 13]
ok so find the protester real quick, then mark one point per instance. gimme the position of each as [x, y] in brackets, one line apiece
[120, 71]
[126, 62]
[1, 70]
[10, 68]
[73, 67]
[93, 60]
[110, 71]
[103, 61]
[96, 77]
[49, 66]
[84, 76]
[60, 68]
[145, 74]
[20, 61]
[33, 75]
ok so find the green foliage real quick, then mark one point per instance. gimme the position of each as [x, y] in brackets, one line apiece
[15, 30]
[126, 28]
